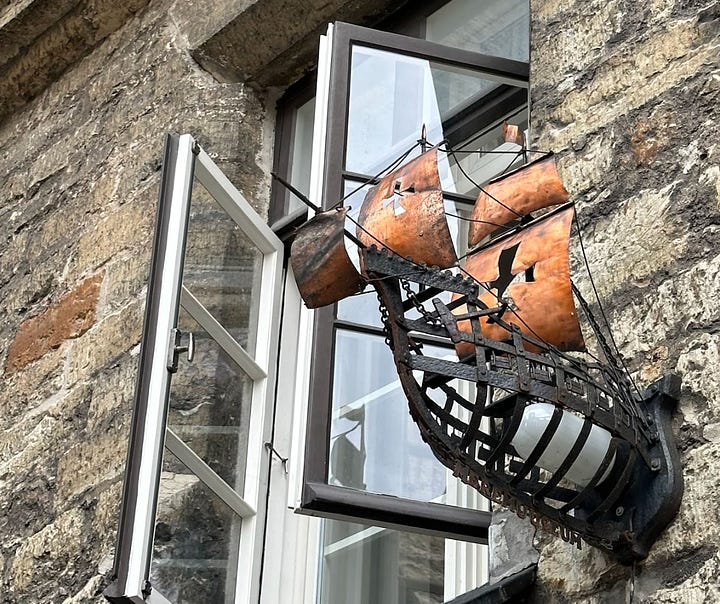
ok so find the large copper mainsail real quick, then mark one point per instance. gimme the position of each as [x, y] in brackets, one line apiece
[542, 304]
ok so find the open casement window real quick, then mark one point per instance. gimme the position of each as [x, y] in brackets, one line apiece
[196, 480]
[377, 93]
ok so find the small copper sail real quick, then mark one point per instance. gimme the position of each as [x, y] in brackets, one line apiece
[531, 187]
[543, 306]
[323, 270]
[405, 213]
[512, 134]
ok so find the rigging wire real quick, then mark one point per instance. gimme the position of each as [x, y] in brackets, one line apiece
[395, 163]
[497, 152]
[600, 306]
[448, 149]
[495, 224]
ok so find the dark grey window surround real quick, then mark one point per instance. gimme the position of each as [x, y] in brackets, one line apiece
[318, 497]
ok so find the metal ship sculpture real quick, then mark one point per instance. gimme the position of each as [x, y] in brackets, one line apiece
[520, 411]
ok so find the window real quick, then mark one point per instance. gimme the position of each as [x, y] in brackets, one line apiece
[364, 461]
[364, 452]
[192, 522]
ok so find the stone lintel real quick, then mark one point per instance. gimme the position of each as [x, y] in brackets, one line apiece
[272, 42]
[40, 39]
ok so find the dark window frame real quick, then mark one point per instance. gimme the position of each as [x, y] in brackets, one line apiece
[318, 497]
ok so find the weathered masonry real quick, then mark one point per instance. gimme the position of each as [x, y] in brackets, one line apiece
[283, 409]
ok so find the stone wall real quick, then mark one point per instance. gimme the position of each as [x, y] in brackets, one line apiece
[79, 167]
[628, 95]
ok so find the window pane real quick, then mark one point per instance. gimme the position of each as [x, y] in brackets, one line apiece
[196, 539]
[222, 268]
[485, 155]
[374, 444]
[210, 405]
[371, 565]
[301, 153]
[501, 28]
[393, 95]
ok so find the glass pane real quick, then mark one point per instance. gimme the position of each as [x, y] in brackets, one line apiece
[360, 308]
[392, 96]
[196, 540]
[222, 268]
[500, 28]
[374, 444]
[371, 565]
[484, 156]
[210, 402]
[301, 153]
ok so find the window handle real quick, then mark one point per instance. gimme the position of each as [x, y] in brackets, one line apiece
[177, 347]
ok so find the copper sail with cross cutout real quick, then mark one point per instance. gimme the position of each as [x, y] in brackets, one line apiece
[405, 214]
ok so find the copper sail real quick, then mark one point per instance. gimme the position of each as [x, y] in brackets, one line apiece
[323, 270]
[405, 214]
[531, 187]
[541, 304]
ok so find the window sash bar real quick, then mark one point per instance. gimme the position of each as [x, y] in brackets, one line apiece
[204, 472]
[235, 205]
[507, 71]
[218, 333]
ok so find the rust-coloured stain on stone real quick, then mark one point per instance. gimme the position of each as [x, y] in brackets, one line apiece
[69, 317]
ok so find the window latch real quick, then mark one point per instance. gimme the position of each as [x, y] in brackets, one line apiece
[177, 347]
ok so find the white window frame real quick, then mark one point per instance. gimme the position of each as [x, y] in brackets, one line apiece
[185, 158]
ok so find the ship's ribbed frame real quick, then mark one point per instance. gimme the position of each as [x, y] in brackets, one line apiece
[600, 513]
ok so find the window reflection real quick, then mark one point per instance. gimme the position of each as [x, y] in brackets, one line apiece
[392, 96]
[371, 565]
[501, 29]
[374, 444]
[196, 539]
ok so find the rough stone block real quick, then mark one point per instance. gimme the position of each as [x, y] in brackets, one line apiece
[698, 521]
[640, 238]
[48, 552]
[27, 390]
[683, 301]
[701, 587]
[112, 396]
[627, 82]
[127, 228]
[110, 339]
[70, 317]
[90, 463]
[695, 357]
[577, 574]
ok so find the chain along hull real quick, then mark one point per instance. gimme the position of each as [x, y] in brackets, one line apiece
[472, 412]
